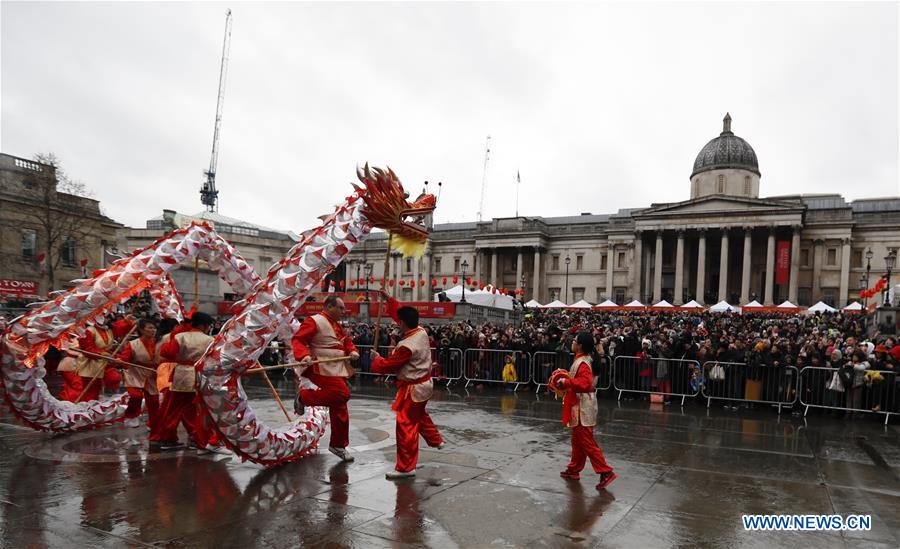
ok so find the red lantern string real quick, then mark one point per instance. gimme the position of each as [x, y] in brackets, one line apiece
[391, 283]
[455, 280]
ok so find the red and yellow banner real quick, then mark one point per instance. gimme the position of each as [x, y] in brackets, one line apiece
[783, 262]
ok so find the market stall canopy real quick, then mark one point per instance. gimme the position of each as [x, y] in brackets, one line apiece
[722, 307]
[533, 303]
[555, 304]
[582, 304]
[608, 303]
[635, 304]
[821, 307]
[692, 305]
[855, 306]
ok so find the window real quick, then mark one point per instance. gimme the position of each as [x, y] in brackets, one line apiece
[455, 264]
[579, 262]
[720, 185]
[831, 257]
[29, 243]
[620, 296]
[512, 263]
[856, 257]
[747, 186]
[620, 260]
[600, 292]
[554, 263]
[408, 265]
[804, 257]
[437, 264]
[67, 251]
[603, 262]
[406, 294]
[577, 294]
[554, 293]
[804, 296]
[829, 296]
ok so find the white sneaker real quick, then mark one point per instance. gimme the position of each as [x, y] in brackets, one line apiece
[342, 453]
[397, 475]
[440, 446]
[220, 450]
[133, 422]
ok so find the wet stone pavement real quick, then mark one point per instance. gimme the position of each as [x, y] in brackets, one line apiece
[685, 477]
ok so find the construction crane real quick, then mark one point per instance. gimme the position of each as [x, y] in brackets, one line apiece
[487, 156]
[209, 196]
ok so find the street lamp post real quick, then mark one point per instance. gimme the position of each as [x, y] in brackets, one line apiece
[358, 265]
[465, 265]
[890, 261]
[568, 260]
[522, 285]
[368, 271]
[863, 284]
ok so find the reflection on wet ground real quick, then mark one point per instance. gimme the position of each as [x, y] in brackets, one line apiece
[685, 477]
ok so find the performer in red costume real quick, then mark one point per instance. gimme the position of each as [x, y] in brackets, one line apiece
[580, 413]
[98, 339]
[184, 347]
[139, 382]
[411, 361]
[321, 336]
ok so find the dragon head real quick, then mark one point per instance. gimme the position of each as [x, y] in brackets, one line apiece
[387, 208]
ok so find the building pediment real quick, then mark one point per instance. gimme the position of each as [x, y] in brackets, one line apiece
[718, 205]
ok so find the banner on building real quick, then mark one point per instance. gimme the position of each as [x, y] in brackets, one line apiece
[18, 288]
[783, 262]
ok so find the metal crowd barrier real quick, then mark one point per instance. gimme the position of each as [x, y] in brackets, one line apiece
[762, 384]
[543, 363]
[486, 365]
[667, 376]
[818, 390]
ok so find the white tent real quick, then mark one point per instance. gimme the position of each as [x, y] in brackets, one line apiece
[722, 307]
[582, 304]
[821, 307]
[608, 303]
[787, 305]
[635, 303]
[663, 303]
[753, 304]
[555, 304]
[479, 297]
[692, 305]
[855, 306]
[533, 303]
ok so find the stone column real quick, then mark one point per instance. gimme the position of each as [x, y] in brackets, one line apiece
[723, 267]
[845, 273]
[536, 291]
[770, 269]
[745, 267]
[429, 293]
[494, 267]
[679, 269]
[657, 266]
[610, 259]
[519, 271]
[818, 249]
[415, 290]
[638, 266]
[795, 266]
[701, 266]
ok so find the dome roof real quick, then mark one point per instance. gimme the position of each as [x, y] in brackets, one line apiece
[726, 151]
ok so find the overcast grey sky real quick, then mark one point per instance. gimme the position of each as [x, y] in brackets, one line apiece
[600, 106]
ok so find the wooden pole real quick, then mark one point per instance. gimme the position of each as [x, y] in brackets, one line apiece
[97, 375]
[292, 364]
[387, 274]
[196, 282]
[112, 359]
[277, 397]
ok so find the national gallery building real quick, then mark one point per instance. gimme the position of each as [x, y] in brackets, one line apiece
[723, 243]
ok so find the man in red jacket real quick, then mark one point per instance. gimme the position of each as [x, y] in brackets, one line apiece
[320, 337]
[411, 361]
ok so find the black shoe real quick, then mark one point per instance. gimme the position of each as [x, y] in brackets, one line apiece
[171, 446]
[299, 408]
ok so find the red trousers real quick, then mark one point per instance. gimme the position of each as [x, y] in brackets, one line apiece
[334, 394]
[585, 447]
[136, 396]
[412, 421]
[176, 408]
[72, 386]
[204, 432]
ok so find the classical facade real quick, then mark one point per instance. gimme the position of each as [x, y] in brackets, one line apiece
[724, 243]
[48, 237]
[259, 246]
